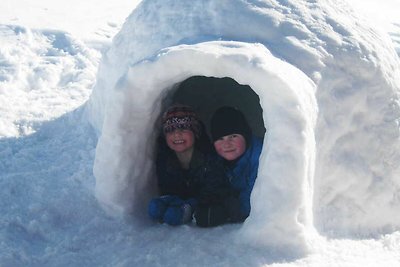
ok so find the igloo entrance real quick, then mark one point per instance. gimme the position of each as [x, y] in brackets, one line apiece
[206, 94]
[282, 196]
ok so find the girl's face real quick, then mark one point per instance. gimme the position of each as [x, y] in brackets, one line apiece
[230, 147]
[180, 140]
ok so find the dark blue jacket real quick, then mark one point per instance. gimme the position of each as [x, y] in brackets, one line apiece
[242, 175]
[204, 181]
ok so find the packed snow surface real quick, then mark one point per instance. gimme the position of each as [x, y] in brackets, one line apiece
[49, 55]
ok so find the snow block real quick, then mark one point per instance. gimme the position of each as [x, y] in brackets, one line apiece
[330, 98]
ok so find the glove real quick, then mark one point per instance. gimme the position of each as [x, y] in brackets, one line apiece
[177, 215]
[211, 215]
[172, 209]
[156, 209]
[158, 206]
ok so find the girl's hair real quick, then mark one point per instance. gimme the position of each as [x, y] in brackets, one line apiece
[203, 142]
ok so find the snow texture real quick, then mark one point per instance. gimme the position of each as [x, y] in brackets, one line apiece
[49, 54]
[329, 94]
[36, 63]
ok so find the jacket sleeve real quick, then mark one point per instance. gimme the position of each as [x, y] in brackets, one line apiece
[251, 176]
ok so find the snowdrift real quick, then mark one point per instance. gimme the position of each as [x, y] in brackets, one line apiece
[329, 94]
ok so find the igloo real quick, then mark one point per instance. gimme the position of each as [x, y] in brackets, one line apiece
[328, 87]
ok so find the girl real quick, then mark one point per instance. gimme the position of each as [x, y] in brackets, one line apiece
[188, 172]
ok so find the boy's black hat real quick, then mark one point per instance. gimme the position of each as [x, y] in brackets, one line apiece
[229, 120]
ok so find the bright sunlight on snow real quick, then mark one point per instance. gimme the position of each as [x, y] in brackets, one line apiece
[82, 84]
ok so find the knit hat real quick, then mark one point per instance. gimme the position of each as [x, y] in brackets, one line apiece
[229, 120]
[180, 117]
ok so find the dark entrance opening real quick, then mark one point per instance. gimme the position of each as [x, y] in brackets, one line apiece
[206, 94]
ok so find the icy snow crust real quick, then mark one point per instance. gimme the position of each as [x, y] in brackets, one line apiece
[331, 154]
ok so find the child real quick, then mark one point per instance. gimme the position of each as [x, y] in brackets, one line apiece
[240, 152]
[188, 173]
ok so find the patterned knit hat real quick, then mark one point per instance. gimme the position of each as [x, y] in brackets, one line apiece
[180, 117]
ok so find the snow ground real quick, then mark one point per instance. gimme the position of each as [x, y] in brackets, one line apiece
[48, 63]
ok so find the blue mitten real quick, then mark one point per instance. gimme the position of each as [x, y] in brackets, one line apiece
[172, 209]
[179, 211]
[159, 205]
[156, 209]
[177, 215]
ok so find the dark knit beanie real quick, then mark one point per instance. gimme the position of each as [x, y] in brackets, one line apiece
[180, 117]
[228, 120]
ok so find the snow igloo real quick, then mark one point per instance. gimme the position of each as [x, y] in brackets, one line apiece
[323, 84]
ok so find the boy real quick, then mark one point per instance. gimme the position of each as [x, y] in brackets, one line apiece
[240, 152]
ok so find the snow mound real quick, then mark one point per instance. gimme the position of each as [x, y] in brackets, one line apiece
[330, 98]
[44, 62]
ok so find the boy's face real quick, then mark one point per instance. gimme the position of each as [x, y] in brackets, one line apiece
[180, 140]
[230, 147]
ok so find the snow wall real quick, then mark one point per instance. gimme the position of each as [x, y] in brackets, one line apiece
[329, 90]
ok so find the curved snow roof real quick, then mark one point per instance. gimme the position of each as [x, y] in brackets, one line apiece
[328, 85]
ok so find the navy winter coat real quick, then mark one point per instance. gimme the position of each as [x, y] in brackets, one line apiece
[204, 181]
